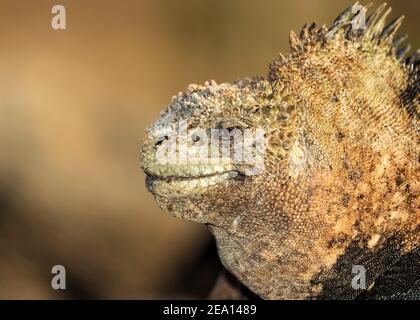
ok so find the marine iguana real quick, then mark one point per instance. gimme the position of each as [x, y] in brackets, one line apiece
[339, 183]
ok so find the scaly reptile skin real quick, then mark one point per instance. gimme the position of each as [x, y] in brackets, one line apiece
[340, 182]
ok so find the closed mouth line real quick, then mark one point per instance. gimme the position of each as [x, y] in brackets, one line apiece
[181, 186]
[186, 178]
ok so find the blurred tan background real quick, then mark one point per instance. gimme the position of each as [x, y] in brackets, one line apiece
[73, 108]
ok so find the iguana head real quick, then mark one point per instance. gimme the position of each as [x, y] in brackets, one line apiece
[248, 196]
[215, 141]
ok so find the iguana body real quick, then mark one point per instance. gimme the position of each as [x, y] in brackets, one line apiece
[341, 168]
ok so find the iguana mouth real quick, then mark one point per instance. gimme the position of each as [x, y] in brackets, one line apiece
[184, 186]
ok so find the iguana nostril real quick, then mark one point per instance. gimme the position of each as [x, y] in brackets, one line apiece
[161, 140]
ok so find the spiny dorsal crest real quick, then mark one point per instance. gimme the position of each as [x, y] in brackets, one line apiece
[368, 33]
[353, 25]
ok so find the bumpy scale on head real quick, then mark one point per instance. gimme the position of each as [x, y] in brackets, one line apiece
[340, 180]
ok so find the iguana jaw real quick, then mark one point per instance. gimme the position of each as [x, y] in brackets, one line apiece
[187, 185]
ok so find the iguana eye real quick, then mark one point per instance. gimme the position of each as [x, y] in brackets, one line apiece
[230, 129]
